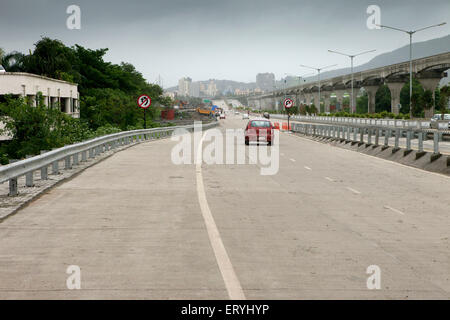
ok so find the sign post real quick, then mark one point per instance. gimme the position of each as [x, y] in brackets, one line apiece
[288, 104]
[144, 101]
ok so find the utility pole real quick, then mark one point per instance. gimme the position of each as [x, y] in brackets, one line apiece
[352, 103]
[410, 33]
[318, 76]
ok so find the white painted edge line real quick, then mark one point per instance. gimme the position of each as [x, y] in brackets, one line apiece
[293, 160]
[373, 157]
[393, 209]
[307, 168]
[229, 276]
[330, 179]
[353, 190]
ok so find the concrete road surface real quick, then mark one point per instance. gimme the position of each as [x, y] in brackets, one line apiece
[140, 226]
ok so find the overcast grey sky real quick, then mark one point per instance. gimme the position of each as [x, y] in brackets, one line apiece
[228, 39]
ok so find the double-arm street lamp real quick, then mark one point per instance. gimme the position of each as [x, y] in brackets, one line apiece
[318, 77]
[410, 52]
[351, 58]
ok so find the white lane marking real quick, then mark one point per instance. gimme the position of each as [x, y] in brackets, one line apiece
[229, 276]
[374, 157]
[393, 209]
[293, 160]
[307, 168]
[329, 179]
[353, 190]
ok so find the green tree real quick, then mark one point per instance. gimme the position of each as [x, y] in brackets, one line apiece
[383, 99]
[427, 99]
[444, 95]
[108, 91]
[12, 62]
[38, 128]
[361, 103]
[417, 94]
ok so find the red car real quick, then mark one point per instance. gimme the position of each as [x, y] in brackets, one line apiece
[259, 131]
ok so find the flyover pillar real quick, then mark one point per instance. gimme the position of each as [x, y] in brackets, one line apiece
[339, 98]
[430, 84]
[308, 98]
[371, 92]
[316, 100]
[395, 88]
[326, 100]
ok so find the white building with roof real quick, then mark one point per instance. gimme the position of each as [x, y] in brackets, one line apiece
[55, 92]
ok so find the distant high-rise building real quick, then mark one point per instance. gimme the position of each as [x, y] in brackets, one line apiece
[195, 89]
[212, 89]
[265, 81]
[184, 86]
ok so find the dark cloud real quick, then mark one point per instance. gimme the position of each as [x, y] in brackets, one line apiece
[231, 39]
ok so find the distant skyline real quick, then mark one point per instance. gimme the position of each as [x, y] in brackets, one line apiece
[234, 40]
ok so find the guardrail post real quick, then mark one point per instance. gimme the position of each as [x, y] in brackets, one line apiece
[369, 136]
[44, 170]
[55, 167]
[408, 140]
[420, 135]
[361, 135]
[67, 163]
[84, 156]
[377, 137]
[13, 187]
[354, 133]
[436, 142]
[91, 153]
[387, 134]
[75, 159]
[397, 138]
[29, 177]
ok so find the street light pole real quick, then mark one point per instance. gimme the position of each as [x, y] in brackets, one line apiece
[410, 53]
[351, 58]
[318, 77]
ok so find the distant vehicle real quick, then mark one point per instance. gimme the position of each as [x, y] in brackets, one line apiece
[236, 113]
[222, 116]
[205, 111]
[2, 69]
[266, 115]
[259, 131]
[438, 117]
[244, 116]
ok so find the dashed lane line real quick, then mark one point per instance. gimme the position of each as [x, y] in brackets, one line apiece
[394, 210]
[353, 190]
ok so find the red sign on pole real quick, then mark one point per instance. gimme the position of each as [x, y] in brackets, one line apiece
[144, 101]
[288, 103]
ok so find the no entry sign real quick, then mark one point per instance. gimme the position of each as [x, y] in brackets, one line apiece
[144, 101]
[288, 103]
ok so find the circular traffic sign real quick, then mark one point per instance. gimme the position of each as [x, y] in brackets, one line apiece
[288, 103]
[144, 101]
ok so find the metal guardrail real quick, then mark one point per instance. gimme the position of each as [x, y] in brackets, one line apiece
[71, 154]
[405, 124]
[350, 133]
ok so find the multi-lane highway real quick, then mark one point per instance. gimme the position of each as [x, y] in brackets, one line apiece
[139, 226]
